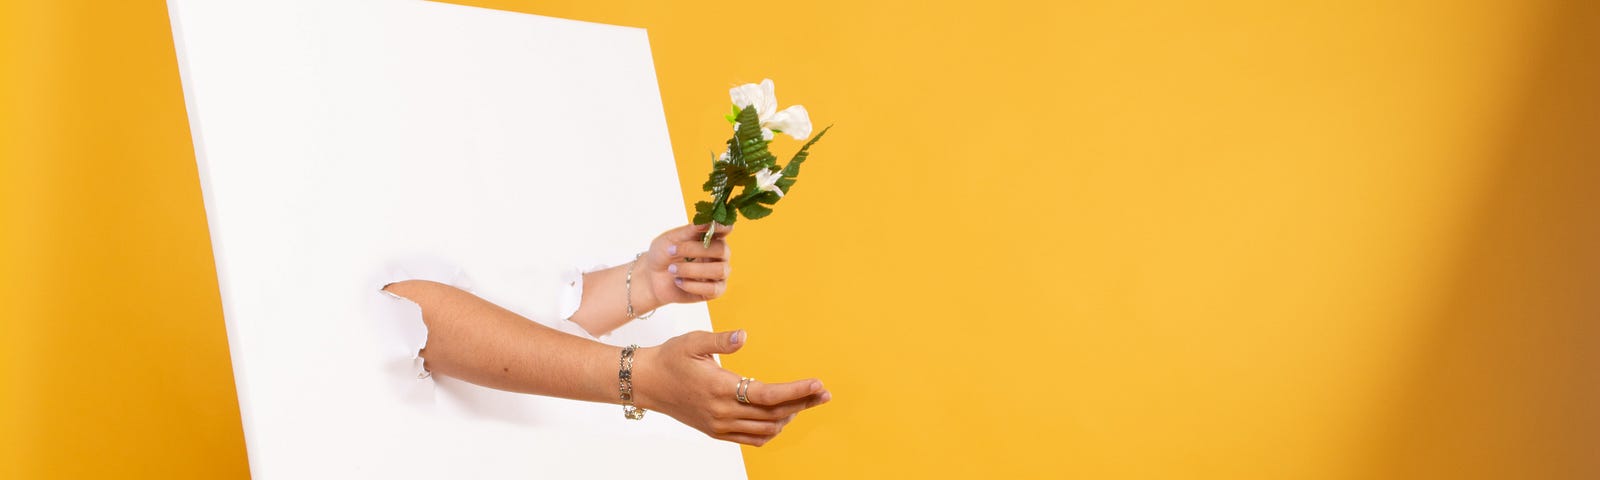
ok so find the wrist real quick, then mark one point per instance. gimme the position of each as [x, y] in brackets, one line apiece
[645, 377]
[644, 290]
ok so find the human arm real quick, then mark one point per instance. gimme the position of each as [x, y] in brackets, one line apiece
[474, 340]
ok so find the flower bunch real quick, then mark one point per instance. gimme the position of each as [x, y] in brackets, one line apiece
[748, 164]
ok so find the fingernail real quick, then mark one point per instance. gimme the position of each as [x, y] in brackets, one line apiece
[816, 385]
[678, 281]
[672, 268]
[702, 227]
[738, 338]
[672, 249]
[827, 396]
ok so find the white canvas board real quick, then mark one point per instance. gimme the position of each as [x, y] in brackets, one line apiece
[336, 137]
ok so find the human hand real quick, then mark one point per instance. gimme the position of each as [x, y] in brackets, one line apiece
[681, 269]
[681, 379]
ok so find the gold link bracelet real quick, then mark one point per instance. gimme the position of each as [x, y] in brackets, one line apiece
[625, 378]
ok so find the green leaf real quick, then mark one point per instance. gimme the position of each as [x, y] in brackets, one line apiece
[717, 178]
[724, 215]
[754, 210]
[791, 171]
[724, 175]
[702, 213]
[749, 125]
[747, 149]
[757, 158]
[747, 196]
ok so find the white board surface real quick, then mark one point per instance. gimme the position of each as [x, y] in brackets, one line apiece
[335, 137]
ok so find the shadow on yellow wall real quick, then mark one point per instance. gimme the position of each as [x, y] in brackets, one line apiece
[1503, 383]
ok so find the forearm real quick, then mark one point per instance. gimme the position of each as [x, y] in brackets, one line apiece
[477, 341]
[606, 296]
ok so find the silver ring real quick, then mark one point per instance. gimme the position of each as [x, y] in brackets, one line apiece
[743, 390]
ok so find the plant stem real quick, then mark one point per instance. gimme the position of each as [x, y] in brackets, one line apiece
[722, 200]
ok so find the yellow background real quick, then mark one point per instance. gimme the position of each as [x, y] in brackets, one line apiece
[1098, 239]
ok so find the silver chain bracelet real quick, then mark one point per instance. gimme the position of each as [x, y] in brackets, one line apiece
[628, 286]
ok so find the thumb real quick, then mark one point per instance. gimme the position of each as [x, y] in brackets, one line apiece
[707, 343]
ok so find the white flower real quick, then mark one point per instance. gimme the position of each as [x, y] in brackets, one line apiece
[794, 120]
[767, 181]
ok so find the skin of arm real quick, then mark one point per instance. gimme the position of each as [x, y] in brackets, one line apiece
[474, 340]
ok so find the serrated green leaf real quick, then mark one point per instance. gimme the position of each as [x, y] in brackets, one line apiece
[793, 168]
[756, 157]
[791, 171]
[717, 180]
[702, 213]
[749, 125]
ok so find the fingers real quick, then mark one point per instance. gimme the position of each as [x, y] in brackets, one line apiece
[707, 271]
[707, 343]
[722, 230]
[756, 425]
[790, 408]
[706, 290]
[763, 428]
[697, 232]
[773, 394]
[745, 438]
[700, 252]
[778, 412]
